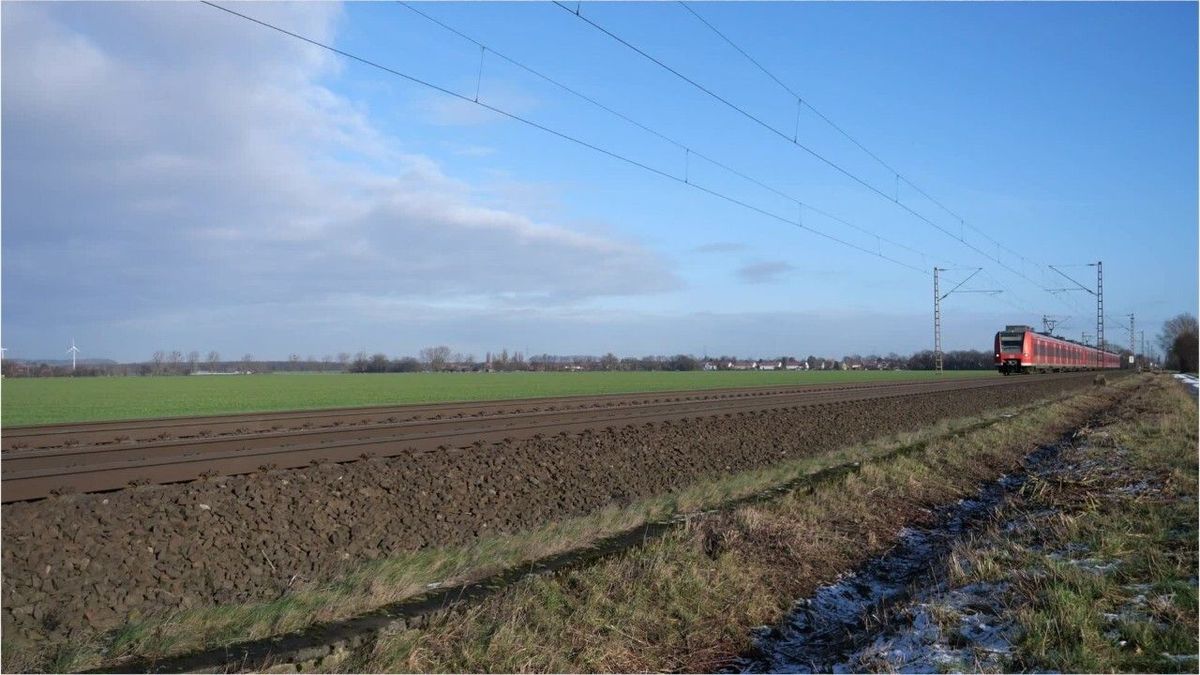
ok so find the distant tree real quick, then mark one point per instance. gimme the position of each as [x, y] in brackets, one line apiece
[378, 363]
[157, 360]
[248, 362]
[214, 358]
[193, 358]
[1178, 340]
[406, 364]
[343, 358]
[326, 362]
[681, 362]
[436, 357]
[922, 360]
[650, 363]
[175, 359]
[1183, 352]
[609, 362]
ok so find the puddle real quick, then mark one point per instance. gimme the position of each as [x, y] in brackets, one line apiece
[894, 613]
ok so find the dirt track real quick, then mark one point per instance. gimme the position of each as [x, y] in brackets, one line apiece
[93, 560]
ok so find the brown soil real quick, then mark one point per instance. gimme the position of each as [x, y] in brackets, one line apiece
[84, 563]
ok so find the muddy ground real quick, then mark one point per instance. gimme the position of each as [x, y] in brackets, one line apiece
[80, 564]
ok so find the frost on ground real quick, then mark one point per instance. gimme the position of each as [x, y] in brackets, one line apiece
[1190, 381]
[942, 629]
[1088, 564]
[893, 614]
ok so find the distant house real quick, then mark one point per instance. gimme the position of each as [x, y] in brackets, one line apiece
[741, 365]
[793, 364]
[770, 365]
[709, 365]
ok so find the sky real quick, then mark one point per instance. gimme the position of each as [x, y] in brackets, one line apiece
[176, 177]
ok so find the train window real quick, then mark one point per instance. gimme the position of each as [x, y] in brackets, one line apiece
[1011, 342]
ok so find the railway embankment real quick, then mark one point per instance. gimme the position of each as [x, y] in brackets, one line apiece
[86, 568]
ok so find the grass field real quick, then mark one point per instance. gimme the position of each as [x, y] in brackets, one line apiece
[50, 400]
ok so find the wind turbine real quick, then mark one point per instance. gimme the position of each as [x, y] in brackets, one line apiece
[73, 351]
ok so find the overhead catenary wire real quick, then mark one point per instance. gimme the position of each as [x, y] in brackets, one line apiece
[559, 134]
[802, 103]
[765, 125]
[688, 150]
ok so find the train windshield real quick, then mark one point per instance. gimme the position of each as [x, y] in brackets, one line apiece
[1011, 342]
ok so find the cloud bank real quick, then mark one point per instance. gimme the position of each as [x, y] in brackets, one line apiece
[167, 160]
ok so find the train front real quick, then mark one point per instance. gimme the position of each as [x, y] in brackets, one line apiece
[1010, 350]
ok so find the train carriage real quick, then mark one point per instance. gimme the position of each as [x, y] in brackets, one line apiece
[1020, 349]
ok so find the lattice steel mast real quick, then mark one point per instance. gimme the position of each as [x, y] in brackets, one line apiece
[938, 296]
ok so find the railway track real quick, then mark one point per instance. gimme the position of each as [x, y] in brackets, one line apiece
[329, 436]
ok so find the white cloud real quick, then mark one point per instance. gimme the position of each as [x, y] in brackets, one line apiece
[764, 272]
[720, 247]
[159, 156]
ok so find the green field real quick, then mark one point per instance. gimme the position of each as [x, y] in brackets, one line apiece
[49, 400]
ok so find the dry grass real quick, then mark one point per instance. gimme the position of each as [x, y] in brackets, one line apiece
[1131, 506]
[1101, 551]
[687, 601]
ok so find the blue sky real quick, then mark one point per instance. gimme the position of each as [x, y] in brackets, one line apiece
[178, 178]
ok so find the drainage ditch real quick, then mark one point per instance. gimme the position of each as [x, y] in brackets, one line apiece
[842, 626]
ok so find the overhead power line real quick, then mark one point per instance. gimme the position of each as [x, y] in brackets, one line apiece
[562, 135]
[800, 100]
[802, 103]
[688, 150]
[795, 141]
[1009, 297]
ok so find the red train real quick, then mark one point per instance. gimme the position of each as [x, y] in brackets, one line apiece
[1019, 349]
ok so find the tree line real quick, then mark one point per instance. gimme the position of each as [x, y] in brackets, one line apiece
[443, 359]
[1177, 340]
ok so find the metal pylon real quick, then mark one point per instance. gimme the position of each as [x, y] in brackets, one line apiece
[937, 323]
